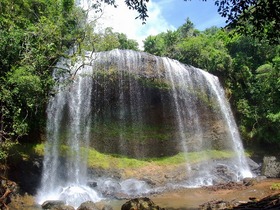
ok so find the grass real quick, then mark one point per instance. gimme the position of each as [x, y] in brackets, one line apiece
[275, 186]
[193, 157]
[106, 161]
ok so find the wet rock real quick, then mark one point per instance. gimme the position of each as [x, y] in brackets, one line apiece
[253, 181]
[92, 184]
[88, 205]
[109, 187]
[271, 167]
[255, 167]
[260, 178]
[52, 204]
[223, 173]
[216, 205]
[249, 181]
[140, 204]
[270, 202]
[63, 207]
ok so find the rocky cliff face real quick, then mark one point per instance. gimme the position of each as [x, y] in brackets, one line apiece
[146, 106]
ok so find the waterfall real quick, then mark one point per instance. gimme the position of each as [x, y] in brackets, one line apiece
[214, 85]
[137, 105]
[68, 123]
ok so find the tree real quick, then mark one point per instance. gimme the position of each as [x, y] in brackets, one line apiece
[187, 29]
[107, 40]
[207, 52]
[139, 5]
[247, 67]
[34, 35]
[253, 79]
[126, 43]
[262, 15]
[268, 86]
[154, 45]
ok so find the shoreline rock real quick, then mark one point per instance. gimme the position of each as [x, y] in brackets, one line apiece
[271, 167]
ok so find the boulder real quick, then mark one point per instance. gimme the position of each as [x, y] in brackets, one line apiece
[252, 181]
[140, 204]
[255, 167]
[270, 202]
[249, 181]
[88, 205]
[56, 205]
[63, 207]
[271, 167]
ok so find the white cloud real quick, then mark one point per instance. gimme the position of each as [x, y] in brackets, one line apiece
[163, 15]
[122, 20]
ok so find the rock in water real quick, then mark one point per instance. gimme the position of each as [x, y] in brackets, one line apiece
[270, 202]
[88, 205]
[140, 204]
[56, 205]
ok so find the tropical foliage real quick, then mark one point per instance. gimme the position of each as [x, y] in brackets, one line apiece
[263, 17]
[247, 67]
[34, 35]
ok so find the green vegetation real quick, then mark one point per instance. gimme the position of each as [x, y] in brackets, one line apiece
[258, 18]
[194, 157]
[275, 186]
[107, 40]
[157, 83]
[248, 68]
[96, 159]
[106, 161]
[35, 34]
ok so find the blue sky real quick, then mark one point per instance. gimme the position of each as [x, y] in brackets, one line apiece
[202, 14]
[163, 15]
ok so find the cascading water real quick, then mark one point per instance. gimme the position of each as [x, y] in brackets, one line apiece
[137, 105]
[236, 143]
[69, 117]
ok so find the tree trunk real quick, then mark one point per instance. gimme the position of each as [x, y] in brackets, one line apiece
[1, 123]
